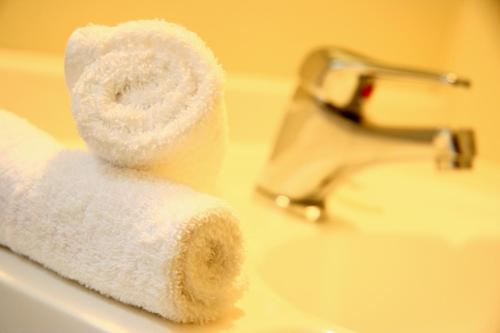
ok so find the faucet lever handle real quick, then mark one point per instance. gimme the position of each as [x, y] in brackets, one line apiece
[358, 75]
[450, 79]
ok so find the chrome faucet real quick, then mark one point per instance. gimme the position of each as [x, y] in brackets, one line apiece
[326, 132]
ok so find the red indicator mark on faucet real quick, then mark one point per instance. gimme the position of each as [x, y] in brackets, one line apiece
[367, 90]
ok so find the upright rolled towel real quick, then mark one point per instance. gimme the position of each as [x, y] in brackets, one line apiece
[149, 94]
[147, 242]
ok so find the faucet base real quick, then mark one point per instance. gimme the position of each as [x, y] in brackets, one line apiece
[311, 210]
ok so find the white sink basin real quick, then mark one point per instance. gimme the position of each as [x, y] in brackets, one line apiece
[408, 249]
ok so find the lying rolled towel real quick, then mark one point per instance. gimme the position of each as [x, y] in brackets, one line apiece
[149, 94]
[143, 241]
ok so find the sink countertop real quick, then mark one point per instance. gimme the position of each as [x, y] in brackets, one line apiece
[361, 275]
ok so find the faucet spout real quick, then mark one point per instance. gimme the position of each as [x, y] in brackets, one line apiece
[319, 141]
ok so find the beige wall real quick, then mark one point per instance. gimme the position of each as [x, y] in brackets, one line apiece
[259, 36]
[475, 51]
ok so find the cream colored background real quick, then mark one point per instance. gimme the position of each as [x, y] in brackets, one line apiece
[269, 38]
[475, 51]
[259, 36]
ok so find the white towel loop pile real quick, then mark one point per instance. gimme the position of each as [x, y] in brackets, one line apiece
[145, 95]
[149, 95]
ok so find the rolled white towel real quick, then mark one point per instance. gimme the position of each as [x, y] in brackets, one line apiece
[149, 94]
[147, 242]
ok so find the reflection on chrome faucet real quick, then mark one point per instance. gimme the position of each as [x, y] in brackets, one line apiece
[326, 133]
